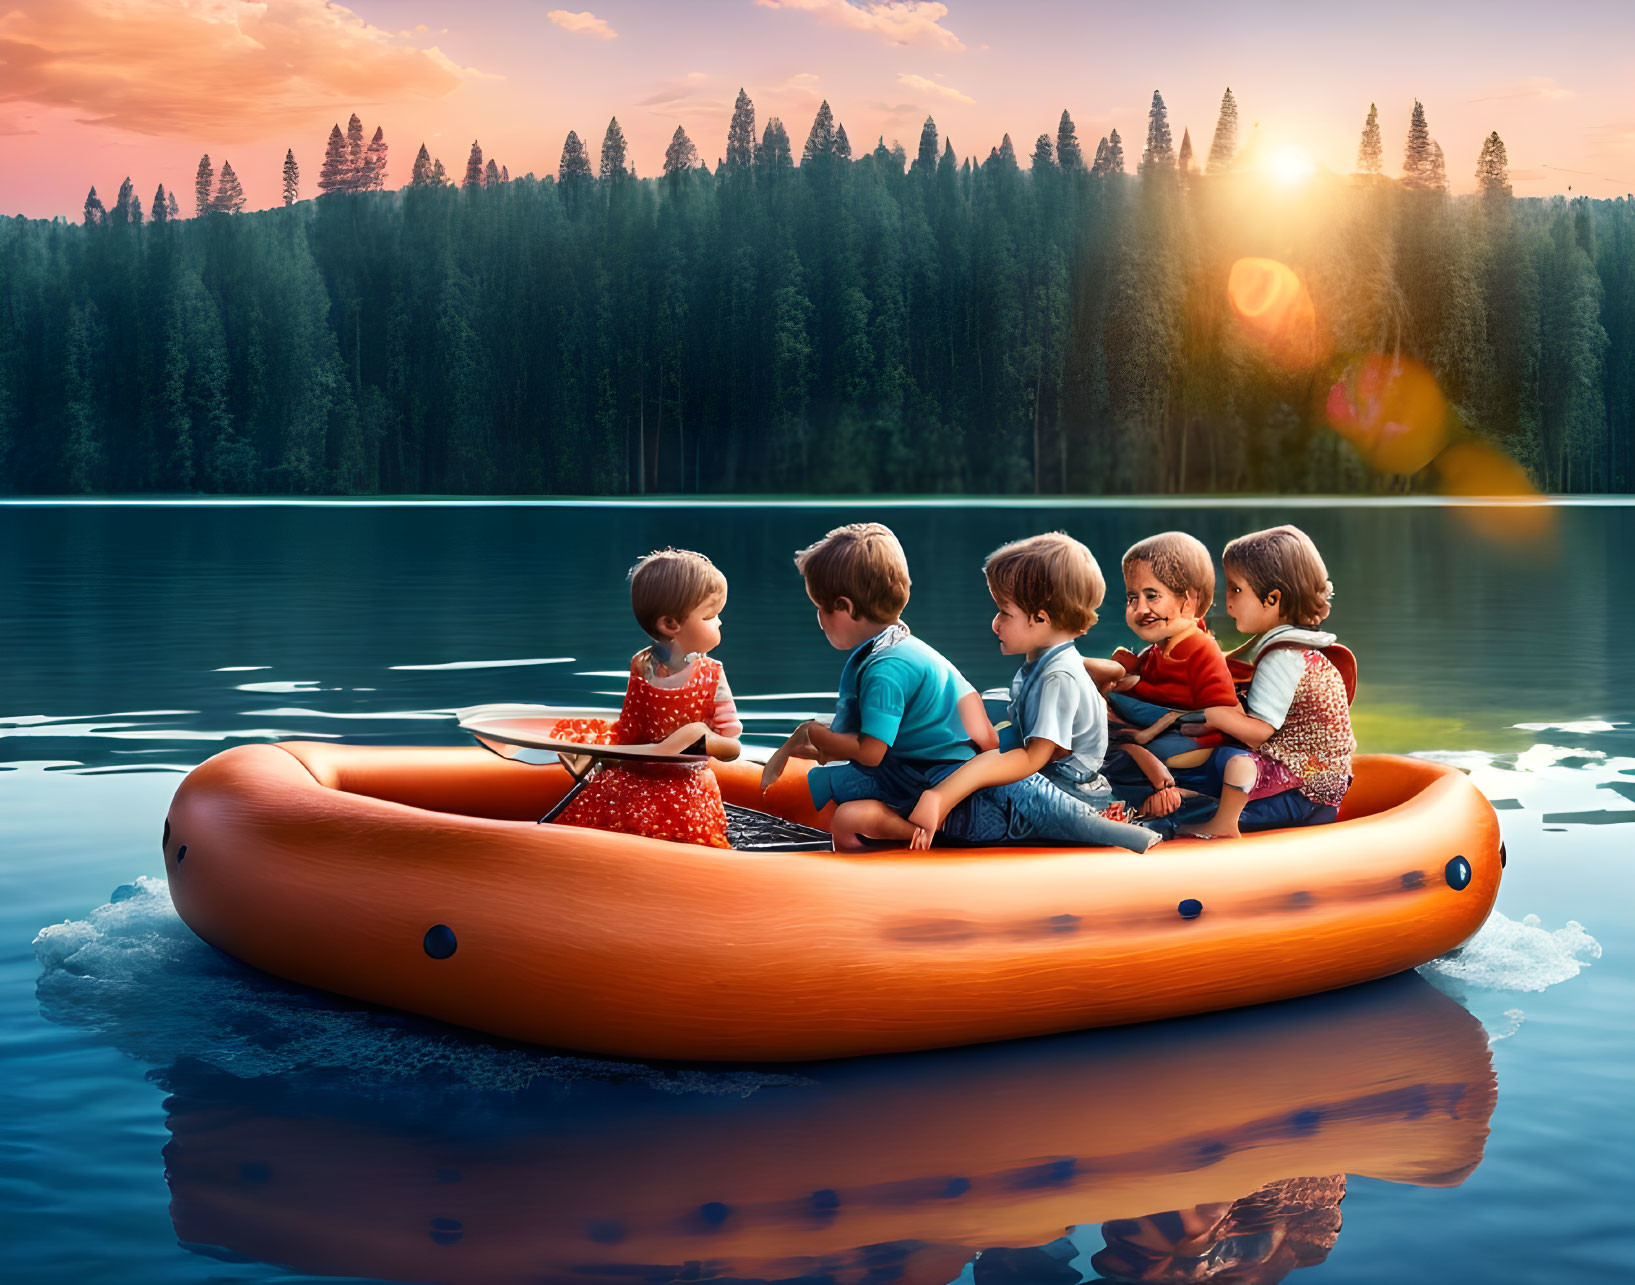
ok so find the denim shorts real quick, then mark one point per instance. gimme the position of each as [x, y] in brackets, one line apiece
[896, 782]
[1034, 810]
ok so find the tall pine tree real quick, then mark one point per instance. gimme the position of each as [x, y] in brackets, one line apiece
[95, 214]
[1492, 168]
[292, 178]
[1416, 156]
[229, 198]
[1369, 150]
[1160, 150]
[843, 145]
[1102, 165]
[161, 205]
[1437, 178]
[774, 152]
[491, 174]
[333, 176]
[1115, 153]
[1183, 158]
[354, 154]
[927, 159]
[820, 140]
[203, 180]
[613, 168]
[474, 162]
[681, 155]
[1068, 153]
[121, 213]
[172, 210]
[373, 178]
[741, 134]
[574, 166]
[1224, 148]
[420, 176]
[1044, 154]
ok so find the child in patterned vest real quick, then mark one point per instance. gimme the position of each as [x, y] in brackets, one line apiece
[1296, 719]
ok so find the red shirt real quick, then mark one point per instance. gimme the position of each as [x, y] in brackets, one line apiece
[1193, 676]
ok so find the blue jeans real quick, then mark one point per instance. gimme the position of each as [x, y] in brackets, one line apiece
[896, 782]
[1034, 810]
[1139, 713]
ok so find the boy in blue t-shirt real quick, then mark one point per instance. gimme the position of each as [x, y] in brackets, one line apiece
[904, 717]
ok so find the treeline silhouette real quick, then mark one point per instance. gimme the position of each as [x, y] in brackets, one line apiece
[851, 323]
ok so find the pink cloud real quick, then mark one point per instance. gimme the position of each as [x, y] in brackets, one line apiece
[901, 22]
[225, 70]
[926, 86]
[583, 24]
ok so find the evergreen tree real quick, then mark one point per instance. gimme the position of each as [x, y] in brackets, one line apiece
[843, 145]
[574, 166]
[333, 176]
[1160, 150]
[1416, 157]
[161, 206]
[229, 197]
[1102, 165]
[820, 140]
[95, 214]
[121, 213]
[1492, 168]
[613, 154]
[1068, 154]
[136, 211]
[681, 155]
[927, 159]
[1044, 154]
[439, 175]
[474, 162]
[1369, 150]
[1224, 148]
[1007, 152]
[1437, 177]
[505, 174]
[774, 152]
[172, 210]
[421, 175]
[354, 154]
[203, 181]
[741, 134]
[373, 178]
[292, 178]
[491, 174]
[1183, 158]
[1115, 153]
[899, 156]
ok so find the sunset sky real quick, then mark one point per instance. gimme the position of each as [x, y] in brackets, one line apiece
[94, 90]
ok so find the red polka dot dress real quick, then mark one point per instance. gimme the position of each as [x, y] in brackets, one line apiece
[659, 800]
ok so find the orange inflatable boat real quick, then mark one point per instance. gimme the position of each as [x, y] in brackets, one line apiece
[419, 878]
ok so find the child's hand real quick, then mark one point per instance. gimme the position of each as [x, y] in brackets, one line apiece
[799, 745]
[683, 738]
[927, 816]
[1161, 802]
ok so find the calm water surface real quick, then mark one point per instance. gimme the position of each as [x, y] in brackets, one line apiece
[168, 1115]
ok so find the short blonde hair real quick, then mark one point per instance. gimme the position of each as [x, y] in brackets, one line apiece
[1179, 562]
[1285, 559]
[1052, 573]
[672, 582]
[862, 562]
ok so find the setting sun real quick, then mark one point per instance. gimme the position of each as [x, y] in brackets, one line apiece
[1290, 165]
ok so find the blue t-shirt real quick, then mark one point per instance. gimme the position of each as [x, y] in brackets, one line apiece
[900, 691]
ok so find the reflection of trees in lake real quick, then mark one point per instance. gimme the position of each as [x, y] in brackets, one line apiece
[844, 326]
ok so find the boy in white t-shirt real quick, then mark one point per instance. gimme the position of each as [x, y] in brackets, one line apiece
[1044, 783]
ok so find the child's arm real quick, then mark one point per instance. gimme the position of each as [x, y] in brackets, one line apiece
[994, 767]
[1104, 673]
[852, 746]
[978, 726]
[1252, 731]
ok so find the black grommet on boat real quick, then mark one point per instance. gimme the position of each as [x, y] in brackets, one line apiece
[180, 853]
[825, 1201]
[446, 1231]
[714, 1213]
[1457, 872]
[440, 943]
[1504, 857]
[1191, 908]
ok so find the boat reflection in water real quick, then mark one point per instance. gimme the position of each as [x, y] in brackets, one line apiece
[885, 1169]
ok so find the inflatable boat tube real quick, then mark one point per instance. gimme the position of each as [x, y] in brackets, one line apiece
[418, 878]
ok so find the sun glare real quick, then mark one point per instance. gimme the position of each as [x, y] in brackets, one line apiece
[1290, 165]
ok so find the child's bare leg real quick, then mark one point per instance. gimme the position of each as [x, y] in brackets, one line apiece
[862, 819]
[1239, 779]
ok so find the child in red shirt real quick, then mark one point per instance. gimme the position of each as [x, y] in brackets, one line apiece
[1169, 584]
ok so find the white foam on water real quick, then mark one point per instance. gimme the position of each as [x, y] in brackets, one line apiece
[132, 971]
[1505, 955]
[238, 669]
[1582, 726]
[492, 664]
[279, 688]
[382, 715]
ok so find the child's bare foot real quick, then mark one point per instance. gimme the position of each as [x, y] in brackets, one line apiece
[1211, 829]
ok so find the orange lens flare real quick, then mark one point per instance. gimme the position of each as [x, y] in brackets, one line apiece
[1391, 410]
[1473, 469]
[1275, 307]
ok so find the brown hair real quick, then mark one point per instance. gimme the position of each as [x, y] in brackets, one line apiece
[672, 582]
[1179, 562]
[1285, 559]
[862, 562]
[1052, 573]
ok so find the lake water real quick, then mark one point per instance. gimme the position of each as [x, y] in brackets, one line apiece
[169, 1115]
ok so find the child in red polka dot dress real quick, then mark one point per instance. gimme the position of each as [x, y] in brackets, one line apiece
[676, 695]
